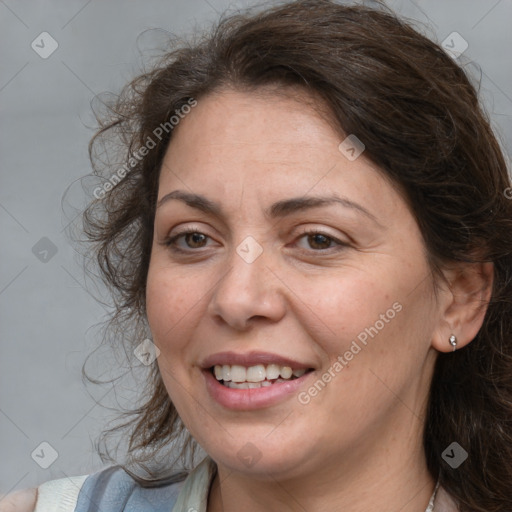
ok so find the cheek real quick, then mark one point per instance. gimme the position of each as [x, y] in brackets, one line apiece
[173, 307]
[337, 309]
[367, 330]
[369, 319]
[171, 302]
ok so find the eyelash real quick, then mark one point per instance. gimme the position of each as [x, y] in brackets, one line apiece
[339, 244]
[170, 242]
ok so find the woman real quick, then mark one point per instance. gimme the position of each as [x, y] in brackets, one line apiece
[312, 220]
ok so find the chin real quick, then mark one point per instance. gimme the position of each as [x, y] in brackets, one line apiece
[264, 461]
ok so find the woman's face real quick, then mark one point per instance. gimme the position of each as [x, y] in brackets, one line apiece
[300, 256]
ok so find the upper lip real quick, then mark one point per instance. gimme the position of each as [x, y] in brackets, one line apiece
[252, 359]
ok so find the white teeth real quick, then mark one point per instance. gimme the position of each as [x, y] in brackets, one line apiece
[272, 371]
[255, 374]
[286, 372]
[250, 385]
[226, 372]
[218, 372]
[238, 373]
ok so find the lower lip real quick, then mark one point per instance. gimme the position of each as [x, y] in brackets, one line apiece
[255, 398]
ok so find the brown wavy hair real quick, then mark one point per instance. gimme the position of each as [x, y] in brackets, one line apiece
[419, 117]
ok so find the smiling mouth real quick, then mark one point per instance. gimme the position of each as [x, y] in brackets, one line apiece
[257, 376]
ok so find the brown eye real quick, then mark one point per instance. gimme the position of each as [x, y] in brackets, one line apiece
[319, 241]
[187, 241]
[195, 240]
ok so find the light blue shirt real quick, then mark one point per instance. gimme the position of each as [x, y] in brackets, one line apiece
[114, 490]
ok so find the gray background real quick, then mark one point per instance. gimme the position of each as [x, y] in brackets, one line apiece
[46, 307]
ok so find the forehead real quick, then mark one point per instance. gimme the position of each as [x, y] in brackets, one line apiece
[265, 145]
[268, 116]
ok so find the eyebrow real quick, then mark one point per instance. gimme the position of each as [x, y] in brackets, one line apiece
[277, 210]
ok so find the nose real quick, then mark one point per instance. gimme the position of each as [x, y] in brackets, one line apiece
[247, 293]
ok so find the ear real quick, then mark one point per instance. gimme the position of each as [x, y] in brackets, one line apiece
[463, 303]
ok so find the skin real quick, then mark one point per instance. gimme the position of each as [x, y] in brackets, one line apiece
[20, 501]
[357, 445]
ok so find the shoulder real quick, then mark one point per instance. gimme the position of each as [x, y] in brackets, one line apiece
[108, 490]
[20, 501]
[114, 490]
[59, 495]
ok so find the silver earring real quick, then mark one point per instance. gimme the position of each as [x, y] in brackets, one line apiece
[453, 342]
